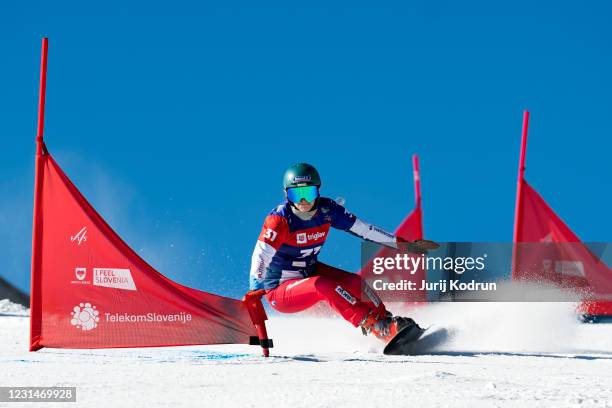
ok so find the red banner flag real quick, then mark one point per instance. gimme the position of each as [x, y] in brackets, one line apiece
[410, 229]
[91, 290]
[559, 257]
[567, 260]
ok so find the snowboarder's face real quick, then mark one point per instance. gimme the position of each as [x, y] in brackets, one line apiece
[304, 205]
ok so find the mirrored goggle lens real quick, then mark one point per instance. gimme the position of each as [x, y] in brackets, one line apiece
[308, 193]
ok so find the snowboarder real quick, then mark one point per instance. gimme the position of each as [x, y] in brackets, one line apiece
[285, 265]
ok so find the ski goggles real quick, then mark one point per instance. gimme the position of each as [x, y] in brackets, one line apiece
[308, 193]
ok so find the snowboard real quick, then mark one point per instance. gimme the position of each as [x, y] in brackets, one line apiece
[414, 340]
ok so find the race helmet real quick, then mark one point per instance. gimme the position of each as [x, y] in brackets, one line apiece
[301, 181]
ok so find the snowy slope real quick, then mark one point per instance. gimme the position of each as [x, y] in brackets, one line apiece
[506, 355]
[9, 308]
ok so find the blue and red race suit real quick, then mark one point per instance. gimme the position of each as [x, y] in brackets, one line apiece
[288, 245]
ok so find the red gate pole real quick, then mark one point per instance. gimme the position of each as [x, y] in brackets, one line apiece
[519, 191]
[41, 96]
[35, 306]
[252, 301]
[418, 206]
[417, 180]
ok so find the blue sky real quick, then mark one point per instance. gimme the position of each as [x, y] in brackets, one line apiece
[177, 119]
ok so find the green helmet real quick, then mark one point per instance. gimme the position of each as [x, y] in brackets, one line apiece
[301, 174]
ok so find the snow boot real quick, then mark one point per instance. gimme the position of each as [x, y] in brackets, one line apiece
[385, 327]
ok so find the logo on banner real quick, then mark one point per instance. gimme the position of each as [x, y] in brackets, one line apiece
[80, 236]
[84, 316]
[548, 238]
[113, 278]
[180, 317]
[570, 268]
[80, 274]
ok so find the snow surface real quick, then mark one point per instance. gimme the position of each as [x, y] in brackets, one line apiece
[501, 355]
[9, 308]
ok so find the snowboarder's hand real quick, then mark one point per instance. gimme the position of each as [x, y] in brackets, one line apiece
[419, 246]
